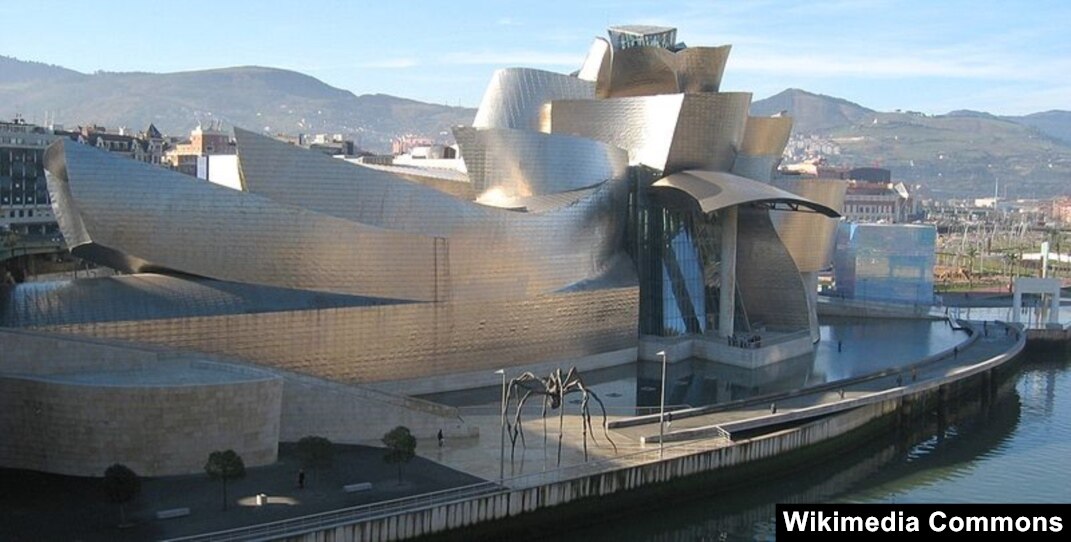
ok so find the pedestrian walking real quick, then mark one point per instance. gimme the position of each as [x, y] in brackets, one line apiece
[301, 479]
[440, 438]
[839, 345]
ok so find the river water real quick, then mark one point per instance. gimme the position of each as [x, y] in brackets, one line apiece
[1014, 449]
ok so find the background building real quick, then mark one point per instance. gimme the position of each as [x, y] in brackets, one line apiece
[885, 262]
[25, 208]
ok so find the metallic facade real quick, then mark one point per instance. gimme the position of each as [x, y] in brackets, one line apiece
[646, 71]
[484, 251]
[714, 190]
[136, 217]
[596, 64]
[595, 207]
[760, 151]
[810, 237]
[515, 96]
[669, 132]
[769, 286]
[699, 69]
[523, 163]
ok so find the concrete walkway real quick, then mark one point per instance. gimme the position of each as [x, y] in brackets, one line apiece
[636, 438]
[37, 506]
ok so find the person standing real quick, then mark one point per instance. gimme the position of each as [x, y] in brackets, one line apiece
[440, 438]
[301, 478]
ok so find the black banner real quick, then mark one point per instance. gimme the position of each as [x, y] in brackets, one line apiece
[963, 521]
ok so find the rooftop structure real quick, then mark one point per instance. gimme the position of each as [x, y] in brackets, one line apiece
[641, 35]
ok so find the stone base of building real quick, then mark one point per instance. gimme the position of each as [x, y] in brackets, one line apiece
[773, 348]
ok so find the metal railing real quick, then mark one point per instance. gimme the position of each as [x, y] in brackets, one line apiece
[344, 516]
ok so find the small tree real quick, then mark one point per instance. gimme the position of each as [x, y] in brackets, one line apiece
[401, 448]
[121, 485]
[225, 466]
[315, 452]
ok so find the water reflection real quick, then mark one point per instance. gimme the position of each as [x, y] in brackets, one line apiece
[847, 348]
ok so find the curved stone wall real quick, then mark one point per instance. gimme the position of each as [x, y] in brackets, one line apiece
[157, 416]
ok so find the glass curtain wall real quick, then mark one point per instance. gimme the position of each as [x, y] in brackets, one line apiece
[676, 251]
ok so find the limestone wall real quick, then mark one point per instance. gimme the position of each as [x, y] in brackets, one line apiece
[102, 404]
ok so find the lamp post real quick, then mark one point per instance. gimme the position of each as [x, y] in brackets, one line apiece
[662, 407]
[502, 431]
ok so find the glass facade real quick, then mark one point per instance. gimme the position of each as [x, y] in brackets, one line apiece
[624, 38]
[885, 262]
[677, 255]
[22, 177]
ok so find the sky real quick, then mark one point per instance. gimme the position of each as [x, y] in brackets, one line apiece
[932, 56]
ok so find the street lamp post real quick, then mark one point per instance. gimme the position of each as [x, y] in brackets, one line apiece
[502, 431]
[662, 408]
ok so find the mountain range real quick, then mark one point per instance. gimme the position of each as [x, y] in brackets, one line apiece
[958, 154]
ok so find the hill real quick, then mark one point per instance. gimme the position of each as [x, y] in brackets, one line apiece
[18, 72]
[1054, 123]
[253, 97]
[963, 153]
[811, 113]
[959, 154]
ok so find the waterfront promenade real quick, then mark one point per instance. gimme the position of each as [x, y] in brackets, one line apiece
[636, 438]
[533, 480]
[697, 431]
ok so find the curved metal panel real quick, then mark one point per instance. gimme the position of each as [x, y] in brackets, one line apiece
[810, 238]
[449, 181]
[669, 132]
[520, 163]
[715, 190]
[709, 131]
[770, 286]
[514, 97]
[158, 219]
[597, 63]
[766, 135]
[699, 69]
[163, 219]
[312, 180]
[538, 204]
[643, 126]
[758, 168]
[490, 252]
[147, 296]
[641, 71]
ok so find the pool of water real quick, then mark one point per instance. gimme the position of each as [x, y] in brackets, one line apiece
[847, 348]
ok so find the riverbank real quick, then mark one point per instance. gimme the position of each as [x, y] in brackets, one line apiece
[563, 492]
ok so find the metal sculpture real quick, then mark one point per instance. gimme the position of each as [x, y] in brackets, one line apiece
[553, 389]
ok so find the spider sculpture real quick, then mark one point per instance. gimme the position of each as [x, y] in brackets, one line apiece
[553, 389]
